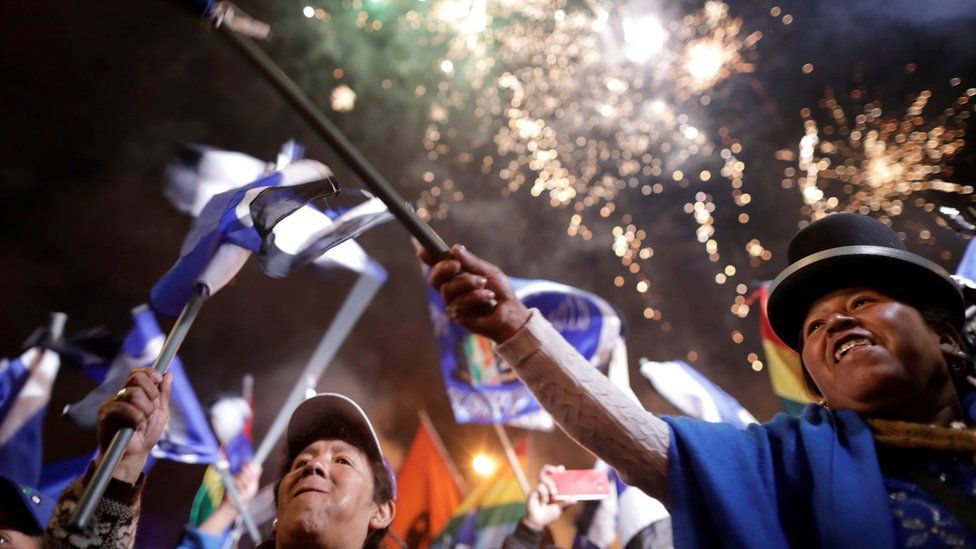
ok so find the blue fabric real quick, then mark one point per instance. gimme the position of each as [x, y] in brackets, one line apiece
[793, 482]
[20, 456]
[195, 539]
[188, 437]
[13, 376]
[921, 520]
[217, 223]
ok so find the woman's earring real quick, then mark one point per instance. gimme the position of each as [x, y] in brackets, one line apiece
[823, 402]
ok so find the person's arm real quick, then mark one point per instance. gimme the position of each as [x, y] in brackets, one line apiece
[584, 403]
[541, 510]
[524, 537]
[222, 518]
[143, 404]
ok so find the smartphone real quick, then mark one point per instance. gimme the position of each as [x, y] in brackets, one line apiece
[581, 485]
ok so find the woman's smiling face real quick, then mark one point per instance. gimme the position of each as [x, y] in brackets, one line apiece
[875, 355]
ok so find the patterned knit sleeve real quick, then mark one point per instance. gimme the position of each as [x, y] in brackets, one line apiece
[113, 524]
[589, 407]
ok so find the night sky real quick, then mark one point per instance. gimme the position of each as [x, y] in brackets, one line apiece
[98, 97]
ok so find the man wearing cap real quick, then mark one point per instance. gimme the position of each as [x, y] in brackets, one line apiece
[24, 514]
[335, 489]
[884, 460]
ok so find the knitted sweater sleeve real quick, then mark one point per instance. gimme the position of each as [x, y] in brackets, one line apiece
[113, 525]
[588, 407]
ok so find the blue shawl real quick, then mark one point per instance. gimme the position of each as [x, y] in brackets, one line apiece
[812, 480]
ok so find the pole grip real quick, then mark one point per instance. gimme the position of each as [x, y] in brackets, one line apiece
[112, 456]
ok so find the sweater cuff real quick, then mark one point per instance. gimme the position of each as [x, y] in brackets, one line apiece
[526, 340]
[525, 533]
[118, 491]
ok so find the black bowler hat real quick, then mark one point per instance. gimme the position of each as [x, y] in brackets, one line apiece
[846, 251]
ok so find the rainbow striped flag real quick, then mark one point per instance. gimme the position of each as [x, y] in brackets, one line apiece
[782, 363]
[490, 512]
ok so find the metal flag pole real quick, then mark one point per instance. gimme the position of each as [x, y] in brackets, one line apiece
[513, 459]
[506, 443]
[352, 308]
[439, 444]
[103, 474]
[371, 177]
[223, 468]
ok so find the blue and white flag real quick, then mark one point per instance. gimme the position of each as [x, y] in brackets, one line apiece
[25, 390]
[241, 219]
[694, 394]
[483, 388]
[201, 172]
[272, 217]
[188, 437]
[309, 233]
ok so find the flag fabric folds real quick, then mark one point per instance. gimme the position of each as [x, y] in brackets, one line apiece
[782, 363]
[201, 172]
[489, 513]
[484, 389]
[188, 437]
[308, 232]
[231, 217]
[428, 489]
[694, 394]
[25, 389]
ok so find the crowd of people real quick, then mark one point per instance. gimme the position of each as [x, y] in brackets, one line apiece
[885, 458]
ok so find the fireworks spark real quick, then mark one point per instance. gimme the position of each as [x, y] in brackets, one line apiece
[878, 163]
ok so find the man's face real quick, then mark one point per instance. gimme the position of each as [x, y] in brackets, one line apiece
[872, 354]
[12, 535]
[326, 499]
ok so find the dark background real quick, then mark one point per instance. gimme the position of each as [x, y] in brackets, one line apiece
[97, 97]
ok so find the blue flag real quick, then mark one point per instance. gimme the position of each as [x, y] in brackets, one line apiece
[243, 218]
[483, 388]
[188, 437]
[272, 217]
[25, 389]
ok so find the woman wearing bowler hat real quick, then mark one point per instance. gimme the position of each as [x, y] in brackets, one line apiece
[885, 459]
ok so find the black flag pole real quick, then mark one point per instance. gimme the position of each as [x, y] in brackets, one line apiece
[430, 240]
[103, 474]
